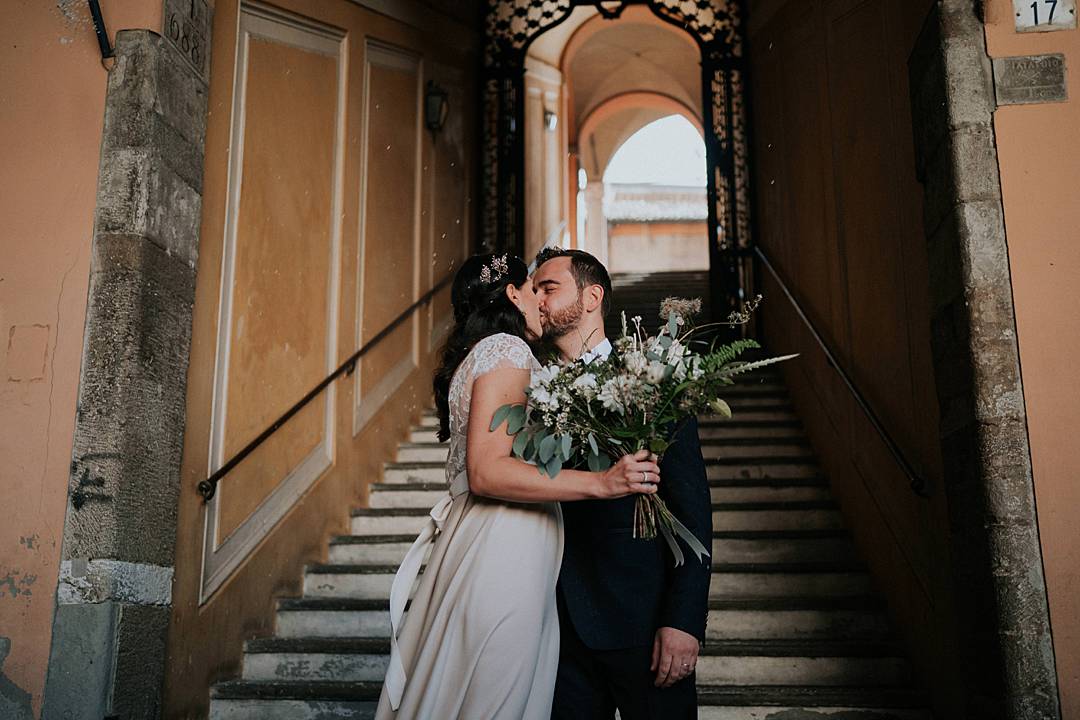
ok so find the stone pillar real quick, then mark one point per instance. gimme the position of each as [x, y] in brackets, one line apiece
[596, 236]
[1003, 637]
[114, 595]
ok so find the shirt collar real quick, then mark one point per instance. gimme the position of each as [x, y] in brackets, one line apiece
[602, 350]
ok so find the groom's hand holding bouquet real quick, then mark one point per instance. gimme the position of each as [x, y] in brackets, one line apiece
[584, 414]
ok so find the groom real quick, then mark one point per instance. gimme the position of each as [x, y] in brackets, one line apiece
[632, 624]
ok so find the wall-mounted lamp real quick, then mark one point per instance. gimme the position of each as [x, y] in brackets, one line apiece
[550, 120]
[436, 107]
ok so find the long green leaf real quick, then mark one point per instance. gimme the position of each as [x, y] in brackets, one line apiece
[520, 443]
[566, 447]
[516, 419]
[499, 416]
[592, 444]
[553, 466]
[547, 449]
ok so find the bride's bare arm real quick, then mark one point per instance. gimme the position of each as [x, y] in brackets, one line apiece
[494, 472]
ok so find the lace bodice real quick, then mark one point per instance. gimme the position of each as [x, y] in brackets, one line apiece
[494, 352]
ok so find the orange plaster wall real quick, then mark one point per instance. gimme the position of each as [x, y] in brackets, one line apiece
[1039, 157]
[52, 91]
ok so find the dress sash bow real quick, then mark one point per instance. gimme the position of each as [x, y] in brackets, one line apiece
[406, 577]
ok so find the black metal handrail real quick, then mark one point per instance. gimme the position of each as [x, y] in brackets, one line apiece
[916, 481]
[208, 487]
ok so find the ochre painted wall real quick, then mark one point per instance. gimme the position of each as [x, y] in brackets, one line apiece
[52, 91]
[1039, 159]
[839, 211]
[657, 246]
[402, 219]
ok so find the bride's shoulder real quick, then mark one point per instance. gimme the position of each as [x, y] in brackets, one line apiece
[503, 350]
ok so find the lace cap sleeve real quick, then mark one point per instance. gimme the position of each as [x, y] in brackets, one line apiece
[501, 351]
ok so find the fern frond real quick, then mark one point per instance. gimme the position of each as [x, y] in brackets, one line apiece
[737, 368]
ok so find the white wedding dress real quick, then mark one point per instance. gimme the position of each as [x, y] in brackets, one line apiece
[481, 637]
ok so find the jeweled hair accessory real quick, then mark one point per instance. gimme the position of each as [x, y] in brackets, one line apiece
[495, 270]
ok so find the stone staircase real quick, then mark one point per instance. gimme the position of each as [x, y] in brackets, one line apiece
[796, 629]
[640, 294]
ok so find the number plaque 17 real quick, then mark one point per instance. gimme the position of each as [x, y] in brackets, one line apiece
[1044, 15]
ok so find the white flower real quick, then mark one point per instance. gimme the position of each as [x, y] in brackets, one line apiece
[635, 362]
[655, 372]
[545, 375]
[587, 384]
[615, 393]
[540, 395]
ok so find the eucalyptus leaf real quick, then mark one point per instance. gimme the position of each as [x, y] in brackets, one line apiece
[594, 462]
[520, 443]
[592, 444]
[554, 465]
[566, 447]
[672, 325]
[516, 420]
[530, 450]
[665, 341]
[499, 416]
[547, 449]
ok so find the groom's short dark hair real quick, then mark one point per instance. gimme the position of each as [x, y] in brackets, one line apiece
[585, 268]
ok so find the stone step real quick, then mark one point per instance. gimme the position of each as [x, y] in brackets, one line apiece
[727, 546]
[829, 577]
[751, 429]
[741, 550]
[722, 662]
[432, 451]
[712, 429]
[267, 700]
[730, 618]
[743, 408]
[784, 515]
[710, 448]
[778, 466]
[425, 495]
[332, 617]
[809, 702]
[371, 549]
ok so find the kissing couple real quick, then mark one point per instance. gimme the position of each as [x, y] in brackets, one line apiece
[537, 601]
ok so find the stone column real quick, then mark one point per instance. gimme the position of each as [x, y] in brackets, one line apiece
[596, 236]
[1003, 636]
[113, 601]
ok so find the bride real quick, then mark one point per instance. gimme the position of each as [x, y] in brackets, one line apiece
[481, 639]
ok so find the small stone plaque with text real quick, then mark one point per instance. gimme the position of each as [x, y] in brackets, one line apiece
[187, 27]
[1030, 79]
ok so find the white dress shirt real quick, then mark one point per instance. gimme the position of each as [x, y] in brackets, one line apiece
[602, 350]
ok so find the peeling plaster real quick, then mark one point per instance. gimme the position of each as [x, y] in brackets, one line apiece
[96, 581]
[15, 584]
[14, 701]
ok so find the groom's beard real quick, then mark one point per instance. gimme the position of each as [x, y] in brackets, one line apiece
[559, 322]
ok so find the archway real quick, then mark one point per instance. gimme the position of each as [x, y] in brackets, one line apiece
[716, 29]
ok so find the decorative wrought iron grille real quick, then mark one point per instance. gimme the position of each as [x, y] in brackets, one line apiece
[717, 27]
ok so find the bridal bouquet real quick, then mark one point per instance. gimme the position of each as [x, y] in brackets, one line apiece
[584, 414]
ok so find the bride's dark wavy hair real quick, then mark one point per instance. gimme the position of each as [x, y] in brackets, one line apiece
[480, 309]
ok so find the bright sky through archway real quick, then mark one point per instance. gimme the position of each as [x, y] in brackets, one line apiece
[668, 151]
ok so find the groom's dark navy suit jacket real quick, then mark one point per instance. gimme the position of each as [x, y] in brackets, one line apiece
[617, 590]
